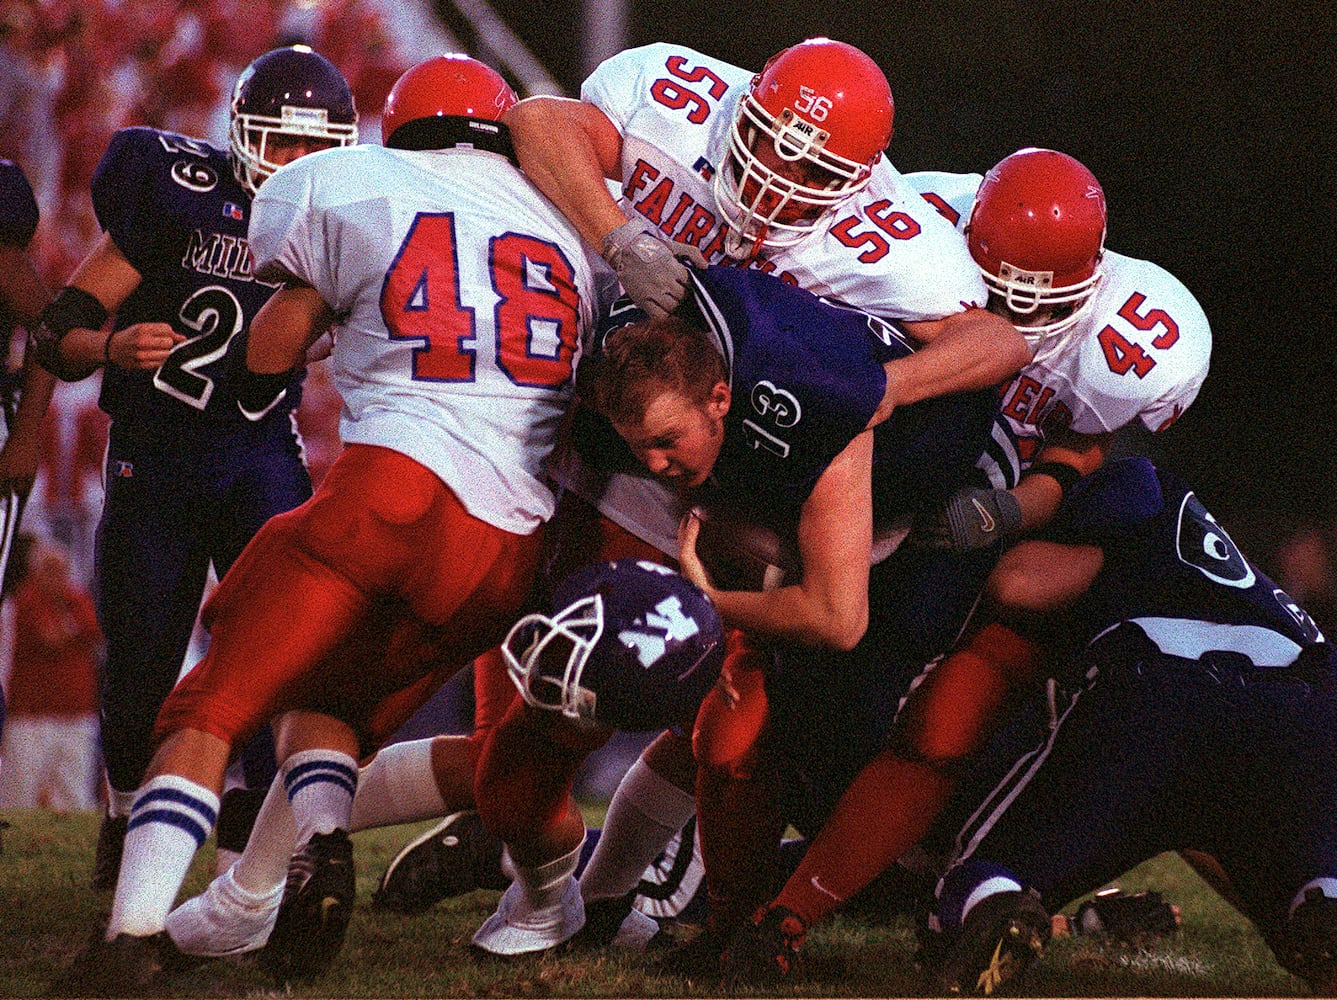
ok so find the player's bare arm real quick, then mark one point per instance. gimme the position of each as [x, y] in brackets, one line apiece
[568, 148]
[1039, 492]
[965, 351]
[829, 604]
[291, 321]
[109, 277]
[24, 296]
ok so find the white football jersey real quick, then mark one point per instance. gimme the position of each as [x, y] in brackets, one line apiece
[884, 249]
[1139, 351]
[463, 299]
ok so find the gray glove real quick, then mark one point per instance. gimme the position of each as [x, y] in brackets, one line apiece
[972, 518]
[648, 265]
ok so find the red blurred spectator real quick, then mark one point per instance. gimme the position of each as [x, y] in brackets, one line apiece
[50, 749]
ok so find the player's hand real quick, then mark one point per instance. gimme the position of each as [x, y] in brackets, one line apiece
[143, 345]
[689, 562]
[18, 464]
[648, 265]
[972, 518]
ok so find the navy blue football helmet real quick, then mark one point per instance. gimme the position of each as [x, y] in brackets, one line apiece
[630, 644]
[292, 91]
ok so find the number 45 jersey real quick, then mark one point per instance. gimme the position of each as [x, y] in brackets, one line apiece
[1139, 352]
[463, 297]
[174, 209]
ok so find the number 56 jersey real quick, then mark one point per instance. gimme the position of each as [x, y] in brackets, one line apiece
[463, 299]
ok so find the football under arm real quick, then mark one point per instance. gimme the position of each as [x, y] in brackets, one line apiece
[568, 148]
[828, 605]
[962, 352]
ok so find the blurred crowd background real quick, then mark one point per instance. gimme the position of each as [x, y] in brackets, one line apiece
[1210, 126]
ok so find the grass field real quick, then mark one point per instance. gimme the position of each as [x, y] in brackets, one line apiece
[48, 910]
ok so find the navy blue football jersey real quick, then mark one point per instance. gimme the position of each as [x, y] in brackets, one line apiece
[1167, 557]
[18, 222]
[18, 207]
[174, 209]
[807, 376]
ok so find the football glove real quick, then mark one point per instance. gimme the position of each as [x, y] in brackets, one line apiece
[972, 518]
[648, 265]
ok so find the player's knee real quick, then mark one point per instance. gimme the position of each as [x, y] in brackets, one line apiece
[1308, 941]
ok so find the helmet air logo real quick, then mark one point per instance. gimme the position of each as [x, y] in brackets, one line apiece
[669, 623]
[1031, 279]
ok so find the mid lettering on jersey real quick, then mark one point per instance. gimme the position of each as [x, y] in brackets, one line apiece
[680, 217]
[221, 256]
[1029, 403]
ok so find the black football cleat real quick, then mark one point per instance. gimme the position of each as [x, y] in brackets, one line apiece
[317, 905]
[456, 856]
[126, 966]
[763, 950]
[107, 857]
[1001, 936]
[603, 919]
[697, 960]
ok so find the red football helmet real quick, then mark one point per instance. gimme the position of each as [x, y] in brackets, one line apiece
[453, 85]
[821, 112]
[1037, 232]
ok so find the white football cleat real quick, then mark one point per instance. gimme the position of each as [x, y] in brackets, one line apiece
[518, 927]
[225, 919]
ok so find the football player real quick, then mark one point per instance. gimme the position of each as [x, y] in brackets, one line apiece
[1194, 706]
[463, 298]
[195, 464]
[1116, 340]
[25, 393]
[760, 406]
[784, 170]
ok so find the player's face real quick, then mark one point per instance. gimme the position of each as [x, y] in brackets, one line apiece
[795, 172]
[1039, 316]
[679, 440]
[282, 148]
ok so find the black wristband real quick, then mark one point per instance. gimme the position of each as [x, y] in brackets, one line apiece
[258, 393]
[1061, 472]
[71, 309]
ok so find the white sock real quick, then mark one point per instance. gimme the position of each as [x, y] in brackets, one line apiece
[263, 865]
[398, 786]
[320, 785]
[170, 820]
[646, 811]
[544, 884]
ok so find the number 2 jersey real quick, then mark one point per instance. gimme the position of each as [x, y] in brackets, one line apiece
[884, 249]
[1140, 350]
[174, 209]
[463, 298]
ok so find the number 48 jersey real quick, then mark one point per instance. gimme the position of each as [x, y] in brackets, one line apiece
[463, 298]
[174, 210]
[1139, 352]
